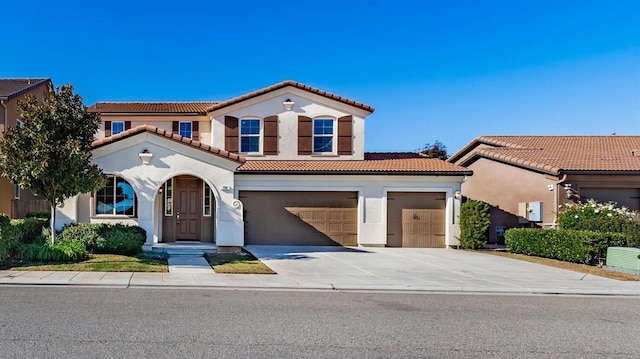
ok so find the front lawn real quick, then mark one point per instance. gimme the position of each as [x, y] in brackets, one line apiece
[99, 263]
[576, 267]
[237, 263]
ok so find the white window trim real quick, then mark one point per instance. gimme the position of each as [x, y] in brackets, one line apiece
[260, 136]
[167, 199]
[190, 128]
[334, 136]
[113, 123]
[205, 187]
[113, 215]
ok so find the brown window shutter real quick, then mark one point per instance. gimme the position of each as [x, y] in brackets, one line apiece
[195, 128]
[127, 125]
[107, 128]
[345, 135]
[231, 134]
[175, 127]
[305, 135]
[270, 135]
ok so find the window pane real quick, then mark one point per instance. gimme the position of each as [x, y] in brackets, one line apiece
[250, 127]
[168, 198]
[323, 127]
[185, 129]
[250, 144]
[125, 198]
[322, 144]
[117, 127]
[206, 206]
[105, 198]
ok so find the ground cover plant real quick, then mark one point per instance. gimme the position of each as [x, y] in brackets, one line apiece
[237, 263]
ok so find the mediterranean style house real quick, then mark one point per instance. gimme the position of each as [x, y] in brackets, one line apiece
[14, 201]
[527, 179]
[282, 165]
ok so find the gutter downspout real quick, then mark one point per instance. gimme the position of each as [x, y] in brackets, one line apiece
[557, 199]
[4, 119]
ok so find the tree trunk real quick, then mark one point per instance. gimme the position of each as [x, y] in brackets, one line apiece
[53, 224]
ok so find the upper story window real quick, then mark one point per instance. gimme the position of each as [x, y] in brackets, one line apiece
[185, 129]
[19, 123]
[16, 192]
[115, 198]
[250, 135]
[117, 127]
[323, 134]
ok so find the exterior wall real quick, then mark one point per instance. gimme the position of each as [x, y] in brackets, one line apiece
[504, 187]
[162, 121]
[170, 159]
[372, 197]
[306, 104]
[6, 196]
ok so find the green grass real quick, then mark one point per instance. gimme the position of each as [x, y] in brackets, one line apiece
[100, 263]
[237, 263]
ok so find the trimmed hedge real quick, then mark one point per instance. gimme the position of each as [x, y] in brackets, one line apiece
[59, 252]
[106, 238]
[474, 224]
[576, 246]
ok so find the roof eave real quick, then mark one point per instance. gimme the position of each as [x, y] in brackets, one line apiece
[341, 173]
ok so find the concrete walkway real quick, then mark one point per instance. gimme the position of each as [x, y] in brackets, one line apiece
[338, 268]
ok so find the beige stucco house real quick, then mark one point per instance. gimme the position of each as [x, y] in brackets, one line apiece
[282, 165]
[15, 201]
[527, 178]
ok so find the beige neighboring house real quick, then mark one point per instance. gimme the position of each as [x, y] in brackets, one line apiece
[281, 165]
[14, 201]
[527, 178]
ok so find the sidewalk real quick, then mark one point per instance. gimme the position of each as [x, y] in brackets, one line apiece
[339, 268]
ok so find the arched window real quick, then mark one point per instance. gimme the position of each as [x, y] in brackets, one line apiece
[116, 198]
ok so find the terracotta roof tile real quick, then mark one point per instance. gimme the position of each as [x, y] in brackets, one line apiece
[151, 107]
[419, 165]
[295, 84]
[556, 154]
[10, 88]
[168, 134]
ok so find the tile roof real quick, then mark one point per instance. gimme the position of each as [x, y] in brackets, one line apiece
[170, 135]
[151, 107]
[557, 154]
[295, 84]
[10, 88]
[415, 165]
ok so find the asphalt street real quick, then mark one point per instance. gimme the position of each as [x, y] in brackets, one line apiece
[76, 322]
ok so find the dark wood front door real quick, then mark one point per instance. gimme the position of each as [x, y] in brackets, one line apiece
[188, 209]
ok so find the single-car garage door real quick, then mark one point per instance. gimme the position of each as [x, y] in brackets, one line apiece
[416, 220]
[300, 218]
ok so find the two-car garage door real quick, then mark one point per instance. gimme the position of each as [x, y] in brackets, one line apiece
[300, 218]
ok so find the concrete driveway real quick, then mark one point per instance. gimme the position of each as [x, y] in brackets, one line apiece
[426, 269]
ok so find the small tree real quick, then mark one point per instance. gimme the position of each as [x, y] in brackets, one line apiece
[437, 150]
[474, 224]
[51, 154]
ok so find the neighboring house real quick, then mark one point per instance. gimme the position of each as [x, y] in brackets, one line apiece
[527, 178]
[281, 165]
[14, 201]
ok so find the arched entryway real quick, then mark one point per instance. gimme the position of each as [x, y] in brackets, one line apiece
[188, 210]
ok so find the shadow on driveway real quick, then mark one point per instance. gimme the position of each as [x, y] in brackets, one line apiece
[272, 252]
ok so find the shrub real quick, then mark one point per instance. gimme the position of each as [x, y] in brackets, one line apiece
[8, 243]
[4, 220]
[91, 235]
[44, 214]
[474, 224]
[587, 247]
[106, 238]
[601, 217]
[28, 230]
[59, 252]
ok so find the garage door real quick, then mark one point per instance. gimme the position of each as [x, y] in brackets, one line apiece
[300, 218]
[416, 220]
[627, 197]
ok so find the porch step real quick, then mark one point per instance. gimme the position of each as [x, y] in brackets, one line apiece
[185, 249]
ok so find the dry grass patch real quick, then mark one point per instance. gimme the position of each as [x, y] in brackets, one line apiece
[581, 268]
[237, 263]
[100, 263]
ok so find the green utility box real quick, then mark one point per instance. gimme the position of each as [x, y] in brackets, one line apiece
[625, 258]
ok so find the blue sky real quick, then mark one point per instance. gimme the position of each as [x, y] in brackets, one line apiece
[434, 70]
